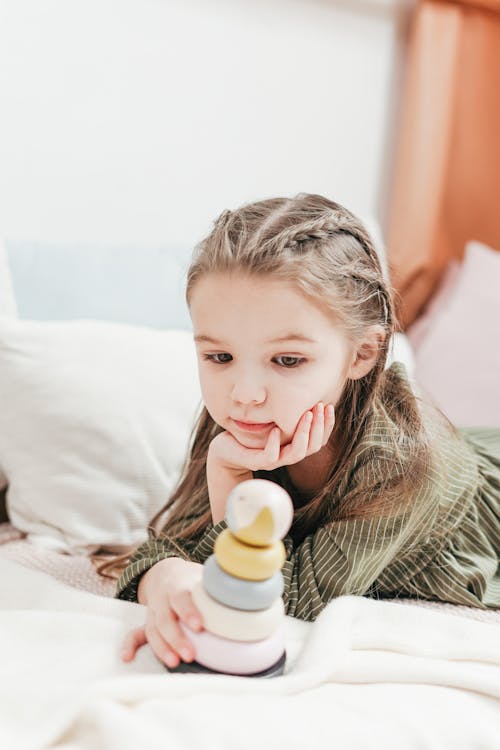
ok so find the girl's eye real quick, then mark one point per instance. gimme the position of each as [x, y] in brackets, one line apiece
[290, 362]
[287, 362]
[212, 358]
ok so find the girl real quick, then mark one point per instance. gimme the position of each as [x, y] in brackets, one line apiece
[292, 318]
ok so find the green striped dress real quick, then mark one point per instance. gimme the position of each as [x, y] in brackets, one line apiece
[446, 548]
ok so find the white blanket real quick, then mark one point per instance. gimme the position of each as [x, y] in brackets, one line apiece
[365, 675]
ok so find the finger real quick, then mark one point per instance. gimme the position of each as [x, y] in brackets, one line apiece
[173, 635]
[185, 608]
[132, 643]
[161, 647]
[261, 459]
[317, 429]
[297, 449]
[329, 422]
[273, 446]
[240, 455]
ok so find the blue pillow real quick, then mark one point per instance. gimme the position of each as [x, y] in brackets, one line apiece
[138, 285]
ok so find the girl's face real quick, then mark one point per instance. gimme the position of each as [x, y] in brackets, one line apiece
[254, 362]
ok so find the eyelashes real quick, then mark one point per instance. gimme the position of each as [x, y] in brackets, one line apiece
[211, 358]
[297, 361]
[291, 362]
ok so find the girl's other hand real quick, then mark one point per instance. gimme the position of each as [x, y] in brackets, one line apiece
[311, 434]
[166, 591]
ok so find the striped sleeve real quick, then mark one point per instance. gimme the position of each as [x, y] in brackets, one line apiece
[154, 550]
[338, 559]
[348, 557]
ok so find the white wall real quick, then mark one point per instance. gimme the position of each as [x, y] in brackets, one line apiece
[141, 120]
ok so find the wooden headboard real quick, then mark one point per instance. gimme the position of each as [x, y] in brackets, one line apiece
[446, 188]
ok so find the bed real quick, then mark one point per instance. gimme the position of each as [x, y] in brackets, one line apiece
[87, 456]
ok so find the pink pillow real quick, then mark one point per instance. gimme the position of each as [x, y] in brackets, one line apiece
[457, 341]
[439, 300]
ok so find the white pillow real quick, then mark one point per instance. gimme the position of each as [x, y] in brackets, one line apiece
[400, 350]
[95, 426]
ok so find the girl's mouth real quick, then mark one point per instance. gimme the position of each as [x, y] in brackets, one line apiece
[253, 427]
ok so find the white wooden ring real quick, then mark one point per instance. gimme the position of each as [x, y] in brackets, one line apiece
[237, 624]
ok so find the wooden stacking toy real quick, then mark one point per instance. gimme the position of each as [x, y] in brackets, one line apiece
[239, 595]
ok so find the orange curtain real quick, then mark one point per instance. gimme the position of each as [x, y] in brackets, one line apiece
[446, 187]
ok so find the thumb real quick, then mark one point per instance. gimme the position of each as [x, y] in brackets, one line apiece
[132, 643]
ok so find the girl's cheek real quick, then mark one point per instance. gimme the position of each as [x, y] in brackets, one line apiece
[287, 432]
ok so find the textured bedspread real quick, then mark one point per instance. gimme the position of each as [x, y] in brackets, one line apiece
[365, 675]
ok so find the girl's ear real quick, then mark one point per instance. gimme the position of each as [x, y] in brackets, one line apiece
[367, 352]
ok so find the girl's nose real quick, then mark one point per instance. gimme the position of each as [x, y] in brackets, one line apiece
[248, 393]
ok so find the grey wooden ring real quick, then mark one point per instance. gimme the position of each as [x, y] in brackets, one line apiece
[237, 592]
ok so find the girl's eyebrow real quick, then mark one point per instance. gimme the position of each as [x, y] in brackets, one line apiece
[279, 340]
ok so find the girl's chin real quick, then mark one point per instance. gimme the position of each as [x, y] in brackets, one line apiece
[255, 440]
[249, 440]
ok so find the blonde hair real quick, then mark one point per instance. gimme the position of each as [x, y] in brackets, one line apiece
[326, 252]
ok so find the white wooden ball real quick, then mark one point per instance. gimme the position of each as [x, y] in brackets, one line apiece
[259, 512]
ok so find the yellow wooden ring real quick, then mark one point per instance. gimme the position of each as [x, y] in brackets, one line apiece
[243, 561]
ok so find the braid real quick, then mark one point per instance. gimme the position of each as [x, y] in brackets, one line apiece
[323, 227]
[320, 228]
[331, 224]
[271, 237]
